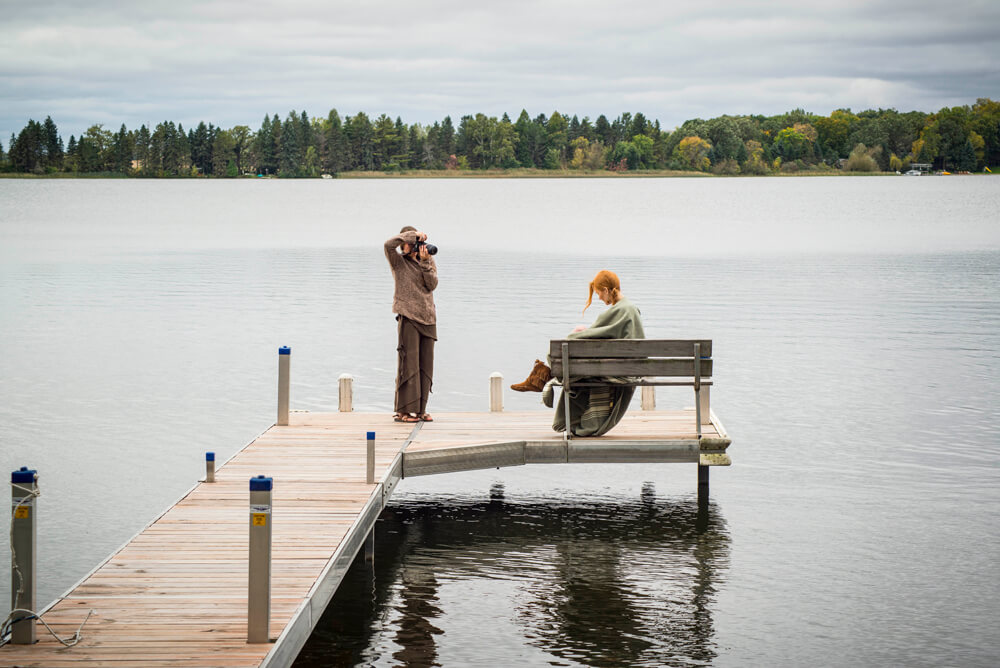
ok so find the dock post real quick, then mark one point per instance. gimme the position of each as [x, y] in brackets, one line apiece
[706, 413]
[496, 392]
[284, 368]
[648, 398]
[209, 467]
[370, 468]
[370, 546]
[702, 483]
[23, 535]
[259, 572]
[346, 393]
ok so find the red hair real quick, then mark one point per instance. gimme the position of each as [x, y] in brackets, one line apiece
[605, 280]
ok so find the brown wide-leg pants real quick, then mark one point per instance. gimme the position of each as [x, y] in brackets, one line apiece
[415, 369]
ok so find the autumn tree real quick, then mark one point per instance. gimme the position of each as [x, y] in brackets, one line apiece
[862, 159]
[693, 152]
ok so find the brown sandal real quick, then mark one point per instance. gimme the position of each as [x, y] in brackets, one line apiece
[405, 417]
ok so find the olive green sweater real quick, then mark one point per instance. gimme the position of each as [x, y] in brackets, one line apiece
[621, 321]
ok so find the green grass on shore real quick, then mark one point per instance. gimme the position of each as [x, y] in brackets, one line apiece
[519, 173]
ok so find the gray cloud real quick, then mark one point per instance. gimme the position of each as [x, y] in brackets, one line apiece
[231, 62]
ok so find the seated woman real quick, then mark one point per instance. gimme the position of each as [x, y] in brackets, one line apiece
[593, 410]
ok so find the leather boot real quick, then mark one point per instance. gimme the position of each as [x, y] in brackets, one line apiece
[536, 379]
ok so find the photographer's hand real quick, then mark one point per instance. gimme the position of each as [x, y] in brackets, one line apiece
[423, 251]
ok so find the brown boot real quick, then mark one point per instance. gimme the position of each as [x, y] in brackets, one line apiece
[536, 379]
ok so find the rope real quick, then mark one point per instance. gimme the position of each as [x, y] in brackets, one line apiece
[5, 628]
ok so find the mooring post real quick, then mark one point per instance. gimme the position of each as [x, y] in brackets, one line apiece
[370, 468]
[209, 467]
[370, 479]
[23, 534]
[259, 572]
[346, 393]
[648, 398]
[496, 392]
[370, 545]
[703, 482]
[706, 413]
[284, 369]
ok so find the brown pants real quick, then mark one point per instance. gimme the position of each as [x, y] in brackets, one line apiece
[415, 370]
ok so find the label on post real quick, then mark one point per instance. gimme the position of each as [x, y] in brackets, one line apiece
[258, 515]
[22, 513]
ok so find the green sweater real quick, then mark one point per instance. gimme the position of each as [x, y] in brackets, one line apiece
[620, 321]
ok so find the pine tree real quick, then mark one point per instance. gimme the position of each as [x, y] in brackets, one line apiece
[142, 140]
[289, 163]
[447, 137]
[53, 144]
[603, 130]
[121, 151]
[523, 129]
[336, 158]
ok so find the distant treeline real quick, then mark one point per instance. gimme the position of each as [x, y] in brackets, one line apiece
[956, 138]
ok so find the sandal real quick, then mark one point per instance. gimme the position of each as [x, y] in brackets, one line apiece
[405, 417]
[426, 417]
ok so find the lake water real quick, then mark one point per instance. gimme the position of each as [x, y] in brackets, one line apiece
[856, 328]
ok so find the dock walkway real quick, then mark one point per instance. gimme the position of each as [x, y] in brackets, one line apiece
[176, 594]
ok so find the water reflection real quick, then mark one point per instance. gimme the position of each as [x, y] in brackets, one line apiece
[603, 582]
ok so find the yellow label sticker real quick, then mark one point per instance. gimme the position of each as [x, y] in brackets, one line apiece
[21, 513]
[259, 519]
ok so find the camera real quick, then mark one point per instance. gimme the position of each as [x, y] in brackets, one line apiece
[431, 248]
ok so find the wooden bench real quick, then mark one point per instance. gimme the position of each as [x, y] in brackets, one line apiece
[641, 362]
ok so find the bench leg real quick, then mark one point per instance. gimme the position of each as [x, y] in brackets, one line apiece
[702, 483]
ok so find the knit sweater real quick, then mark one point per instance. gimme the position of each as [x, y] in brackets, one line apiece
[415, 281]
[621, 321]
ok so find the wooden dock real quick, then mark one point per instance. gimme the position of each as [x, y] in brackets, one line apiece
[176, 594]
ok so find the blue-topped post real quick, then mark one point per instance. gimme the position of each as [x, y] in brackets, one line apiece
[209, 467]
[370, 479]
[23, 535]
[370, 474]
[259, 572]
[284, 370]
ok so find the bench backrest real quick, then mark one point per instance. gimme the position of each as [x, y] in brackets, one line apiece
[649, 358]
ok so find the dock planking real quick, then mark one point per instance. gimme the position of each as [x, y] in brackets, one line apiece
[176, 594]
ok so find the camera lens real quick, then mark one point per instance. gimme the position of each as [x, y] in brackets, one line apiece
[431, 249]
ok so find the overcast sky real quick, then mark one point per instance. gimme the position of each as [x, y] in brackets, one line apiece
[231, 61]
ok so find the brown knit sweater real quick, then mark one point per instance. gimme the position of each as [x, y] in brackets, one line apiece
[415, 281]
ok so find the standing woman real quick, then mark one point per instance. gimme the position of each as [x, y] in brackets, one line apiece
[415, 276]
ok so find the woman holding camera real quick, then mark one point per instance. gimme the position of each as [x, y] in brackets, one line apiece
[415, 277]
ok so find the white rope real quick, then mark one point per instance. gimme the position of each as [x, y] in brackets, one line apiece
[5, 627]
[33, 615]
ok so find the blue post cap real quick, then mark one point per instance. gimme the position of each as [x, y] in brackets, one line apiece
[23, 475]
[260, 484]
[371, 436]
[209, 456]
[284, 350]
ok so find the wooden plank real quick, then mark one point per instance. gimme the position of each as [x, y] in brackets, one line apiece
[629, 348]
[659, 368]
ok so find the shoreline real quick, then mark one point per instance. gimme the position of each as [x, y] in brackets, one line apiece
[519, 173]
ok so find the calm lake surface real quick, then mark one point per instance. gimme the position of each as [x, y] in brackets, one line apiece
[856, 324]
